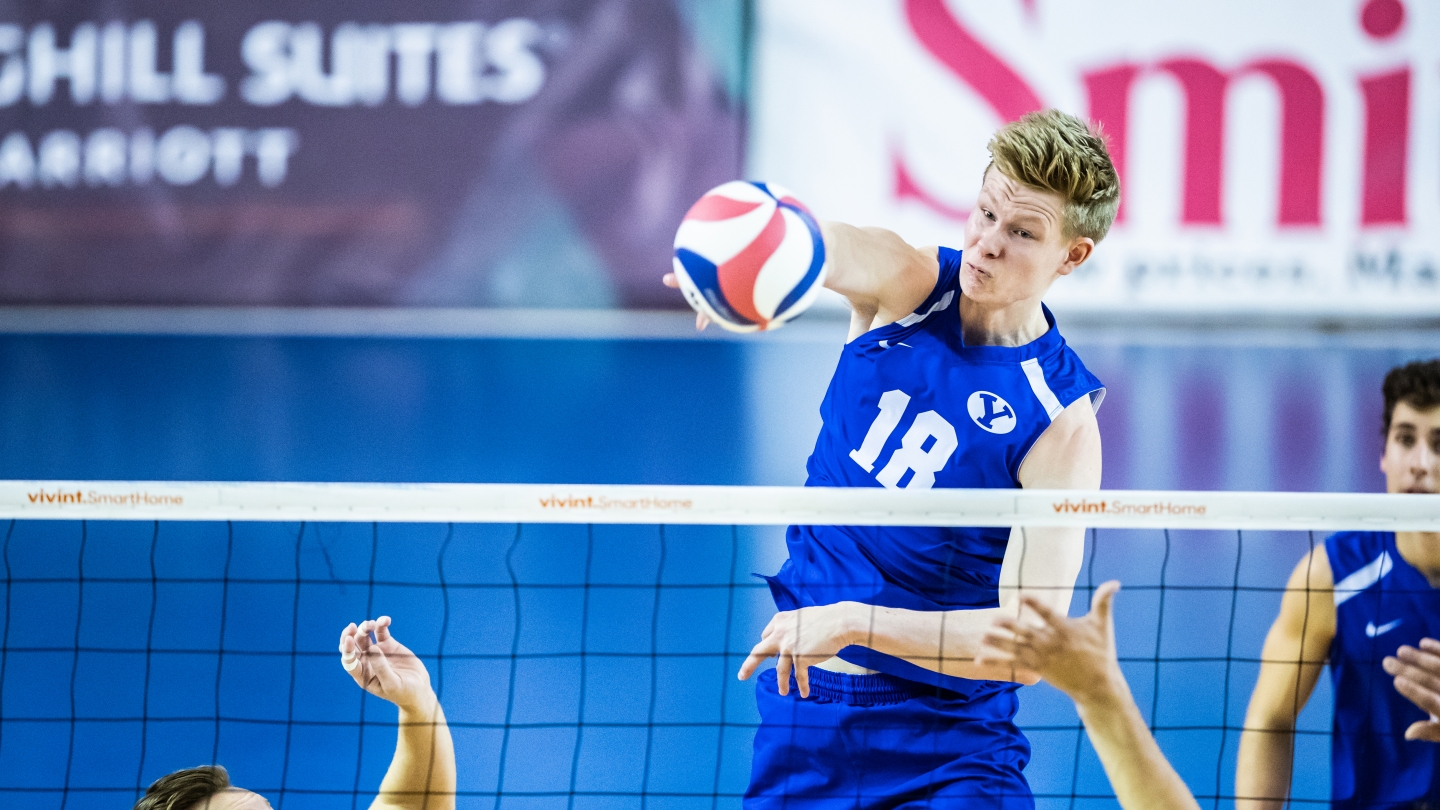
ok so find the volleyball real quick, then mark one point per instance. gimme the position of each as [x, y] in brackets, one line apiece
[749, 256]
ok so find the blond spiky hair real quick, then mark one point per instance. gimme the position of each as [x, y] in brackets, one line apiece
[1058, 152]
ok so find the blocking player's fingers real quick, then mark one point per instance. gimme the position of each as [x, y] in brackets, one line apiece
[349, 655]
[1104, 599]
[701, 321]
[782, 672]
[669, 280]
[1005, 623]
[1414, 666]
[1426, 698]
[1430, 645]
[1420, 659]
[362, 637]
[382, 628]
[995, 645]
[1041, 610]
[380, 672]
[1426, 730]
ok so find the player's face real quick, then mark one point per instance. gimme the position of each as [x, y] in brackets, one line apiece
[234, 799]
[1015, 243]
[1412, 450]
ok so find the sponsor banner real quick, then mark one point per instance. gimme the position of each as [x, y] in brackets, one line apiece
[509, 153]
[705, 505]
[1276, 156]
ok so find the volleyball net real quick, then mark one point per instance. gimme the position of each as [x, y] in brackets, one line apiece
[583, 640]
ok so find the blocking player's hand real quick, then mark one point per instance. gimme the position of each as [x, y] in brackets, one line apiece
[799, 639]
[1417, 677]
[383, 666]
[674, 283]
[1077, 656]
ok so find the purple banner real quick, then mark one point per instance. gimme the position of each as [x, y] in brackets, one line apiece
[517, 153]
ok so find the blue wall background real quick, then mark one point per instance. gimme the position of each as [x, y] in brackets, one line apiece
[109, 680]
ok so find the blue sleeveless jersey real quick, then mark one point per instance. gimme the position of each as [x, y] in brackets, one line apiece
[1381, 602]
[911, 406]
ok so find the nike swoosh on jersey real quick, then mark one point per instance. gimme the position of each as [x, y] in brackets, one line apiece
[1372, 631]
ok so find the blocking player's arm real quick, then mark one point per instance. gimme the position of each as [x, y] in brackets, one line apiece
[1293, 657]
[422, 772]
[882, 276]
[1077, 656]
[1039, 562]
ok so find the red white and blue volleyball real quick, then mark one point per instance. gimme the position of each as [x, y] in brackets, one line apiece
[749, 256]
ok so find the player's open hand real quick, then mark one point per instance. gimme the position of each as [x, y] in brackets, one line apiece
[1417, 677]
[799, 639]
[674, 283]
[383, 666]
[1077, 656]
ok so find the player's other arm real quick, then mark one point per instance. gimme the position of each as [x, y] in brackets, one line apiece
[1039, 563]
[422, 772]
[1293, 657]
[882, 276]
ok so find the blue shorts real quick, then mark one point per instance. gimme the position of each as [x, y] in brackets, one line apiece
[877, 742]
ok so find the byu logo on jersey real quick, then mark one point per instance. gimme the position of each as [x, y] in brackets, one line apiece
[991, 412]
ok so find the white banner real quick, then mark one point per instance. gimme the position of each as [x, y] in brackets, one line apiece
[707, 505]
[1276, 156]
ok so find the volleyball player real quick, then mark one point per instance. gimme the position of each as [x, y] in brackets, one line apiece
[1357, 598]
[954, 375]
[422, 772]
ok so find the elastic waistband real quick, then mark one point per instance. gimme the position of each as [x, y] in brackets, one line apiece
[866, 690]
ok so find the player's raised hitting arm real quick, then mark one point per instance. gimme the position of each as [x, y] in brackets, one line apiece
[882, 276]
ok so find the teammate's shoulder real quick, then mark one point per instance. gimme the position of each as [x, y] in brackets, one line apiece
[1347, 552]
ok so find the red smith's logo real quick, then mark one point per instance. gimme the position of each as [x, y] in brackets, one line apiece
[1386, 120]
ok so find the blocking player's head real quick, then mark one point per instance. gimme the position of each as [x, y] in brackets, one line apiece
[205, 788]
[1411, 460]
[1049, 195]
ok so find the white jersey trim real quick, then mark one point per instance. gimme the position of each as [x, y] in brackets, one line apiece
[1363, 578]
[916, 317]
[1036, 376]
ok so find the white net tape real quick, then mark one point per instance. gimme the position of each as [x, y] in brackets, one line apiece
[556, 503]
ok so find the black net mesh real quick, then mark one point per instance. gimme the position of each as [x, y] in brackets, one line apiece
[579, 666]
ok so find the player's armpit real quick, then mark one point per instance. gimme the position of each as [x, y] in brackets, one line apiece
[882, 276]
[1291, 662]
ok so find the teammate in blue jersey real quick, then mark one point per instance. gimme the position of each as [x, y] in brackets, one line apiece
[954, 375]
[1358, 599]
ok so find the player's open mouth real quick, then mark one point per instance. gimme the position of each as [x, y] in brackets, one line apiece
[1419, 490]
